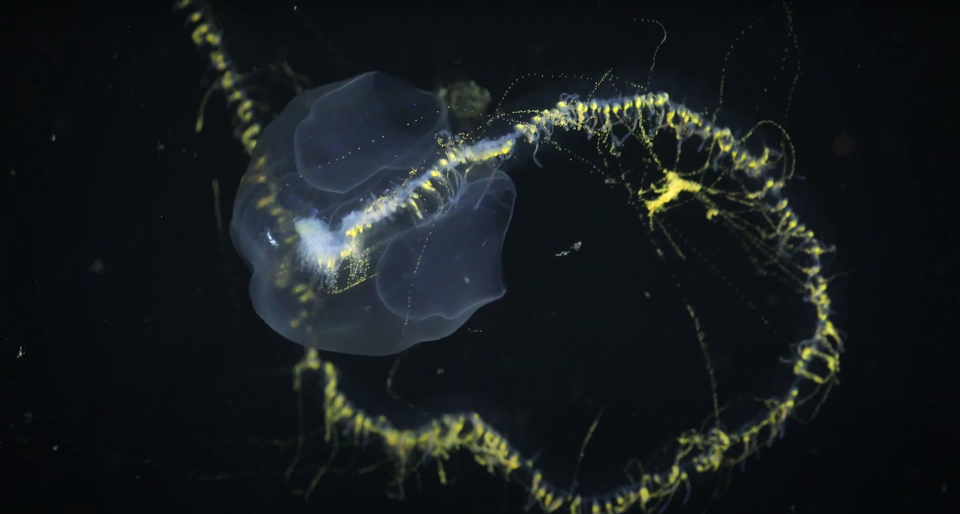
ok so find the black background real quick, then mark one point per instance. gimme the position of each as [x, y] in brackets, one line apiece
[151, 386]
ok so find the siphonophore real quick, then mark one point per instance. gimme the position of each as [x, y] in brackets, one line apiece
[367, 222]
